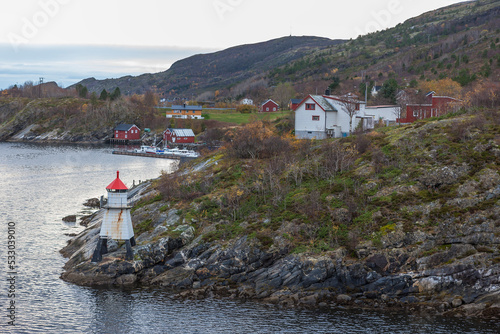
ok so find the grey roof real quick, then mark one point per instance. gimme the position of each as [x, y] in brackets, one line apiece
[124, 127]
[323, 103]
[186, 107]
[295, 100]
[182, 132]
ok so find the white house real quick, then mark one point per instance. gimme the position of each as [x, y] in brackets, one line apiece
[325, 116]
[375, 90]
[247, 101]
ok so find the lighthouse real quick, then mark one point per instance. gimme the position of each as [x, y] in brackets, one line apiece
[116, 222]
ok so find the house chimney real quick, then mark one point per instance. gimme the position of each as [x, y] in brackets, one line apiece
[328, 92]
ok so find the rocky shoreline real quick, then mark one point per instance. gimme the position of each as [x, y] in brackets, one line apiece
[244, 268]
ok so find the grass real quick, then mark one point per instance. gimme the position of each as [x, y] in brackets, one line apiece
[232, 116]
[238, 118]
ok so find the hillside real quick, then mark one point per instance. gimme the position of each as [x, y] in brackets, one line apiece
[215, 70]
[399, 217]
[460, 41]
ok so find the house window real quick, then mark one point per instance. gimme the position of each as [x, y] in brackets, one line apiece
[310, 106]
[315, 118]
[415, 113]
[274, 109]
[267, 109]
[357, 106]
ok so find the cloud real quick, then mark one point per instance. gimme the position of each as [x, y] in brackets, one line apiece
[68, 64]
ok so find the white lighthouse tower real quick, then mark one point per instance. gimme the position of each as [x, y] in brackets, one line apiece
[117, 222]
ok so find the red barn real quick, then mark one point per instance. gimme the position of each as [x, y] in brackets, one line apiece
[269, 106]
[127, 132]
[181, 136]
[435, 106]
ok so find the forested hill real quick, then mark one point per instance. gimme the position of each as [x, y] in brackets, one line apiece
[460, 42]
[219, 69]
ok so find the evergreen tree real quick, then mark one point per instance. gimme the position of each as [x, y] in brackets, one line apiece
[104, 95]
[390, 89]
[335, 83]
[116, 94]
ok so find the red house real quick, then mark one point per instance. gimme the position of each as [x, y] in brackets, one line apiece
[269, 106]
[181, 136]
[435, 106]
[127, 132]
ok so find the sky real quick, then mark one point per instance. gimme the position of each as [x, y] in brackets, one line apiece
[69, 40]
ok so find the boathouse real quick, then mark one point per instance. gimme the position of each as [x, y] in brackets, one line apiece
[127, 132]
[178, 136]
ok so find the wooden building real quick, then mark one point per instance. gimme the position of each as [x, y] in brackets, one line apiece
[127, 132]
[178, 136]
[269, 106]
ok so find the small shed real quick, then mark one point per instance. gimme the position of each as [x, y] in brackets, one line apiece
[294, 103]
[127, 132]
[269, 106]
[181, 136]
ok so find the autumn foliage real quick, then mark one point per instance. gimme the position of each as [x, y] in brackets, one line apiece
[254, 141]
[446, 87]
[484, 94]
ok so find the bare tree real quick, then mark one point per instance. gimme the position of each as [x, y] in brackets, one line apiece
[351, 107]
[283, 93]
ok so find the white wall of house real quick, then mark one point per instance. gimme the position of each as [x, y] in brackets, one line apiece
[342, 120]
[388, 114]
[309, 123]
[320, 124]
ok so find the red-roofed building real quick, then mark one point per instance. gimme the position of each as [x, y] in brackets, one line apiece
[435, 106]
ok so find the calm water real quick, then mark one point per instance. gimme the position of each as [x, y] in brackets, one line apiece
[40, 184]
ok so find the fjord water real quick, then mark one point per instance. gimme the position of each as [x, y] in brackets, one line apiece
[40, 184]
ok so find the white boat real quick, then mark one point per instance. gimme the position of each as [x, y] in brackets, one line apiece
[147, 149]
[182, 153]
[173, 151]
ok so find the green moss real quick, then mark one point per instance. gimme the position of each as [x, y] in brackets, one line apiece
[387, 228]
[301, 249]
[143, 226]
[147, 201]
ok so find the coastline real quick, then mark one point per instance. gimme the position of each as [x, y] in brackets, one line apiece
[244, 268]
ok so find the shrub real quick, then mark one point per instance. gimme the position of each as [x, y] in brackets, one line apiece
[255, 141]
[246, 109]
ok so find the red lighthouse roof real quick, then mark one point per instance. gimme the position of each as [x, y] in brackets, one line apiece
[117, 184]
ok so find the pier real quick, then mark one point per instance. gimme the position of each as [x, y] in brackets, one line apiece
[149, 155]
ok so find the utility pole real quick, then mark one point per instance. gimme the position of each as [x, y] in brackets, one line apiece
[40, 82]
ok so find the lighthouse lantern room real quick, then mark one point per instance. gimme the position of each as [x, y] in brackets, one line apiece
[116, 222]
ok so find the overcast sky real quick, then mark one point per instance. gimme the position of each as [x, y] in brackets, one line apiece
[69, 40]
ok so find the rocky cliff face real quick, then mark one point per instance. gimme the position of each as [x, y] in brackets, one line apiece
[452, 270]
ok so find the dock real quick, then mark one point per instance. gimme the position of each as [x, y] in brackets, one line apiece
[149, 155]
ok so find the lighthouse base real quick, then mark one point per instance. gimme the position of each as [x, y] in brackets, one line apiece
[102, 248]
